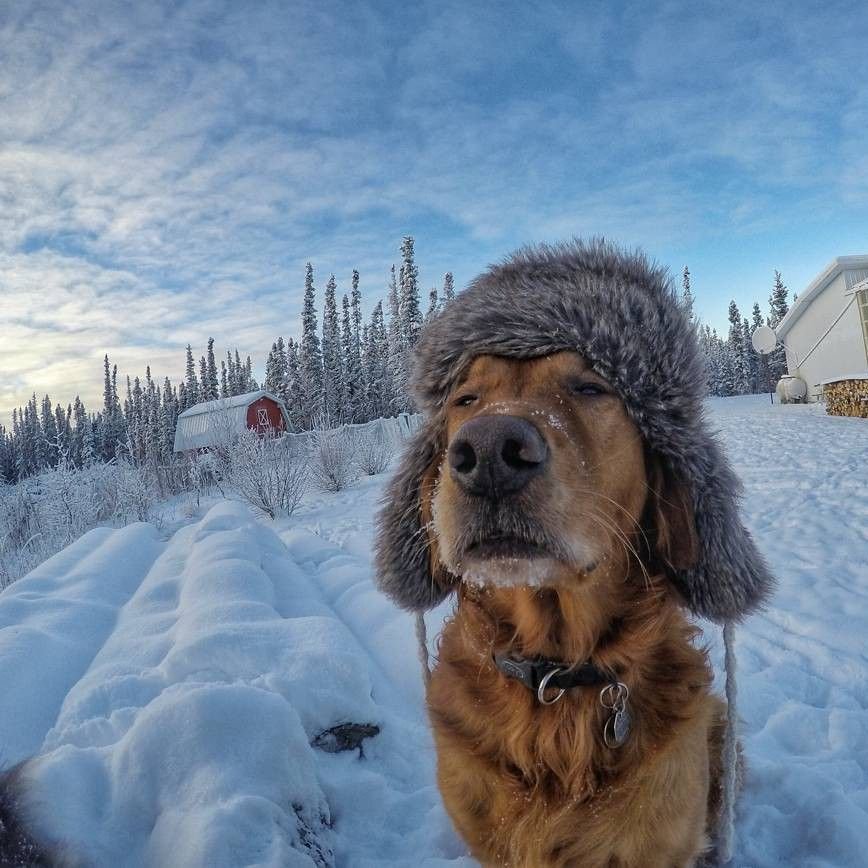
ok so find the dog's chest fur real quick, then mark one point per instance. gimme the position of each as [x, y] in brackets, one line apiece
[530, 785]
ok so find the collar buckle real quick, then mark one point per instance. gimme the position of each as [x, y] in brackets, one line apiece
[544, 682]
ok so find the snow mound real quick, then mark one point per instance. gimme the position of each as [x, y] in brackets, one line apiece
[180, 688]
[173, 692]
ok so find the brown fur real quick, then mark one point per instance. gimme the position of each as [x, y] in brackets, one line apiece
[533, 785]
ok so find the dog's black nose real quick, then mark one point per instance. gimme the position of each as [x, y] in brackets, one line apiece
[490, 456]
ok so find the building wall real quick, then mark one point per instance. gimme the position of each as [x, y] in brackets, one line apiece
[842, 351]
[272, 411]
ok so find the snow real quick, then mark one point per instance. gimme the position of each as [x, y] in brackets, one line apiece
[172, 688]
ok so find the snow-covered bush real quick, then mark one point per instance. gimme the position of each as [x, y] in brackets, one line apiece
[333, 464]
[207, 472]
[373, 453]
[45, 513]
[269, 473]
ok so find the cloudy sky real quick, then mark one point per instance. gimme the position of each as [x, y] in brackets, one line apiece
[166, 169]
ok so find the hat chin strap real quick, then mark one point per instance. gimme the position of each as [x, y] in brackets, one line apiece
[726, 825]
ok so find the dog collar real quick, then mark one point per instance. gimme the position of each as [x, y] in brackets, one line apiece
[539, 674]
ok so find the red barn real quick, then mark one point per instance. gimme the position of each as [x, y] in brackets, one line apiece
[214, 423]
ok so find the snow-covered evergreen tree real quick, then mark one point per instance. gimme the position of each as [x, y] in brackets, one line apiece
[433, 304]
[212, 387]
[411, 312]
[275, 370]
[762, 361]
[332, 369]
[250, 384]
[778, 308]
[380, 395]
[396, 350]
[751, 360]
[448, 287]
[191, 384]
[112, 428]
[295, 393]
[48, 435]
[310, 356]
[205, 391]
[686, 294]
[352, 367]
[737, 383]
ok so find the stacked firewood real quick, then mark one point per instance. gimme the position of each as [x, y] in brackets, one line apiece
[847, 398]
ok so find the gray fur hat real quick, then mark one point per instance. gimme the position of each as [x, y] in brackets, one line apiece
[621, 313]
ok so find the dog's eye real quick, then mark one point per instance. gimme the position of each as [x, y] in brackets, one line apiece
[587, 389]
[464, 400]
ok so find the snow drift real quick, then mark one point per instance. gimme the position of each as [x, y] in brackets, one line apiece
[178, 694]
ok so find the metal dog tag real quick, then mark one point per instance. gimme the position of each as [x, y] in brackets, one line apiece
[617, 727]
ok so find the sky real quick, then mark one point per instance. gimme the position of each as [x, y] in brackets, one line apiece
[166, 169]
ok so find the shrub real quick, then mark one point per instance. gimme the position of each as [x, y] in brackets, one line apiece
[333, 463]
[269, 473]
[373, 453]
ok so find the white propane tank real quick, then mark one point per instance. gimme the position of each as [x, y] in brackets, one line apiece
[791, 390]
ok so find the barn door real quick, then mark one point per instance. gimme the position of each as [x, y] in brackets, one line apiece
[263, 426]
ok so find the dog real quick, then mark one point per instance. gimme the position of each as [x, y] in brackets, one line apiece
[565, 489]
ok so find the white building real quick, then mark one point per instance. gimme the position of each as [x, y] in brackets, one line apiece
[825, 333]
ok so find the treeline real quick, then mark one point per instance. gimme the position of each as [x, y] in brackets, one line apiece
[732, 365]
[345, 371]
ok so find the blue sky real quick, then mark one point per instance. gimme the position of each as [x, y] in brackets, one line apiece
[166, 169]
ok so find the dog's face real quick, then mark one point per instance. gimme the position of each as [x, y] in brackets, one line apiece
[544, 478]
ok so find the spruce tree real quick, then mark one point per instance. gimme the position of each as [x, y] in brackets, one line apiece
[295, 394]
[191, 384]
[351, 363]
[686, 294]
[778, 310]
[750, 359]
[203, 379]
[433, 304]
[762, 361]
[738, 379]
[333, 375]
[310, 356]
[250, 381]
[411, 313]
[212, 391]
[49, 434]
[76, 448]
[395, 351]
[448, 287]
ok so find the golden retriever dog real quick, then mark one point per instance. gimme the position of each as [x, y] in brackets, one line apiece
[564, 486]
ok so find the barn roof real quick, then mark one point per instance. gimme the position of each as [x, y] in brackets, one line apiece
[211, 422]
[855, 269]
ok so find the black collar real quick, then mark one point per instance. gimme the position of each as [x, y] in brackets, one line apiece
[561, 676]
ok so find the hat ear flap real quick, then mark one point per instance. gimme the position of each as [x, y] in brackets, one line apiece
[698, 538]
[408, 569]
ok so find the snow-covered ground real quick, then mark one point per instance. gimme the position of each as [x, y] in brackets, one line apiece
[172, 688]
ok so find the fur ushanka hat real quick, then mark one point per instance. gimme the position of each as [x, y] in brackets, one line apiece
[621, 313]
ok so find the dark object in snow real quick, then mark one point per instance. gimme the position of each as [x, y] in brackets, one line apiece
[620, 311]
[345, 736]
[311, 843]
[17, 848]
